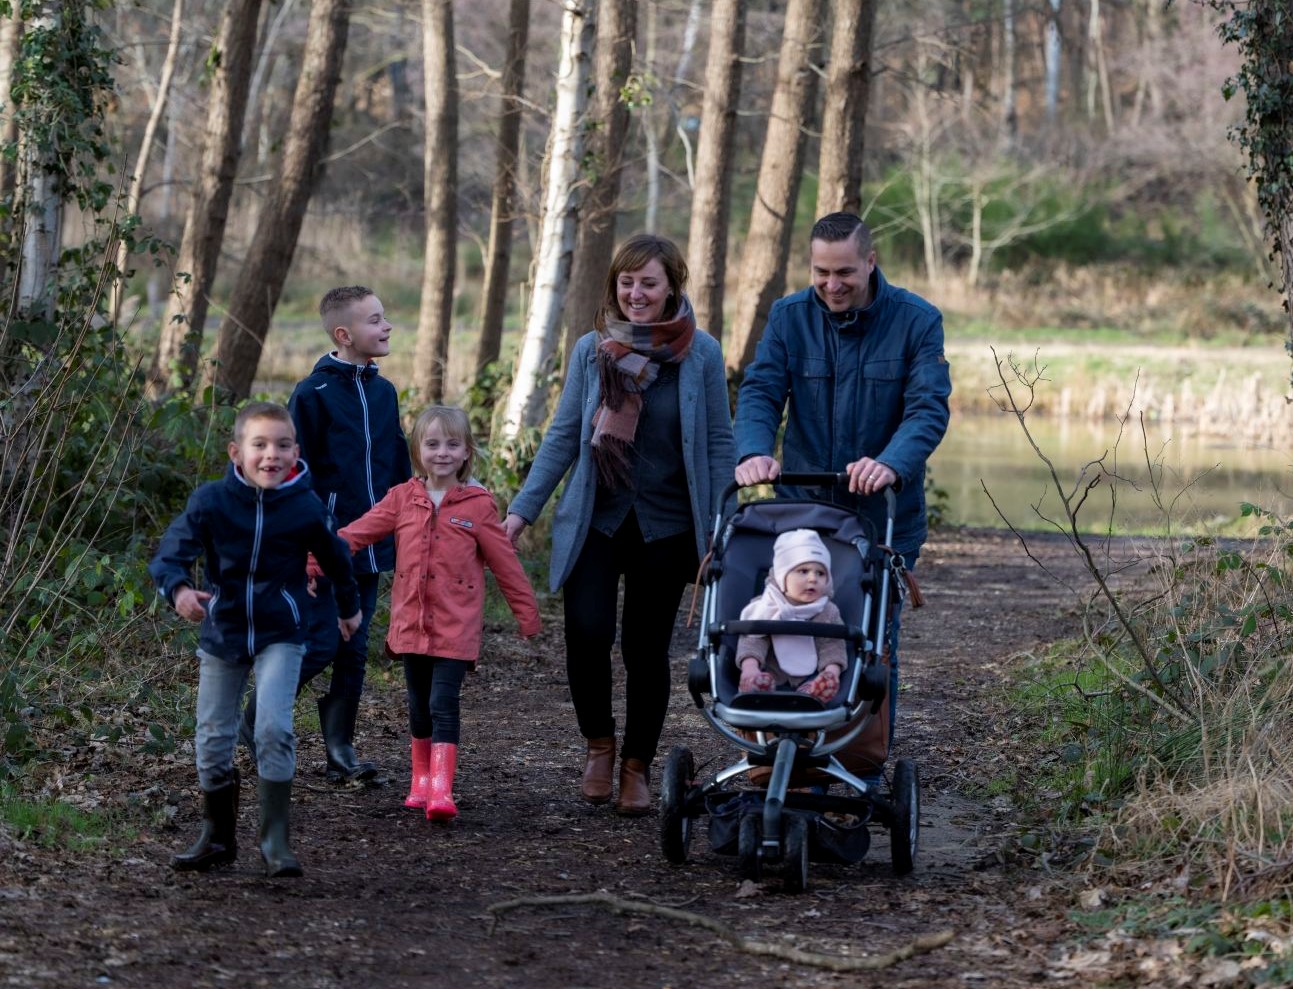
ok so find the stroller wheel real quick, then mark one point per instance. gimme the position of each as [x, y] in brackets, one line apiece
[905, 829]
[675, 825]
[795, 861]
[747, 849]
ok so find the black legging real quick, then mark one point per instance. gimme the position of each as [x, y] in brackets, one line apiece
[434, 691]
[655, 576]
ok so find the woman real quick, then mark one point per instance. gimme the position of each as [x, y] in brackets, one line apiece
[644, 428]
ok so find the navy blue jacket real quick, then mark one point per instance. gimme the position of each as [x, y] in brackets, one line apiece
[253, 542]
[348, 425]
[872, 382]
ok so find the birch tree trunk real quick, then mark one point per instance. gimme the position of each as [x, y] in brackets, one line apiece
[848, 78]
[763, 265]
[135, 191]
[175, 362]
[503, 205]
[711, 197]
[526, 404]
[1052, 62]
[440, 191]
[42, 212]
[10, 42]
[607, 128]
[260, 280]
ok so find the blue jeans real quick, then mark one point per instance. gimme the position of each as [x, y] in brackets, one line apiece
[324, 644]
[220, 688]
[895, 624]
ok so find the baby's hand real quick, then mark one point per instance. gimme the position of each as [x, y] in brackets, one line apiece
[753, 678]
[824, 686]
[189, 603]
[349, 626]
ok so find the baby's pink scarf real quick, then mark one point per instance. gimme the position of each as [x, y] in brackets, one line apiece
[796, 654]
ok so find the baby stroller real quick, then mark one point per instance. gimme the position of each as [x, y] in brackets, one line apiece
[808, 785]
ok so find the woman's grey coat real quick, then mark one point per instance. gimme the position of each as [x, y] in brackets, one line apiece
[708, 450]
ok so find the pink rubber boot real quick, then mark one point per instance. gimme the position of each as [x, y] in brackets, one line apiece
[421, 773]
[444, 763]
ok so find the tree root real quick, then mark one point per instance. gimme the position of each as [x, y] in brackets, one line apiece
[615, 904]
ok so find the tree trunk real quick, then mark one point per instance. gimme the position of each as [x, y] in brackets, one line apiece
[763, 265]
[1052, 63]
[503, 205]
[10, 42]
[264, 62]
[175, 362]
[135, 192]
[607, 128]
[42, 210]
[848, 77]
[440, 192]
[662, 109]
[265, 268]
[1009, 110]
[711, 197]
[526, 404]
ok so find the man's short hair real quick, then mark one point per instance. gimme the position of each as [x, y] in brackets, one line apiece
[260, 410]
[835, 227]
[337, 299]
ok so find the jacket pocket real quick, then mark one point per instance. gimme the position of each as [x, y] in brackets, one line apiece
[291, 606]
[810, 380]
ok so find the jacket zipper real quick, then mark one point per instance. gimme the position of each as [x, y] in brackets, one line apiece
[251, 573]
[368, 456]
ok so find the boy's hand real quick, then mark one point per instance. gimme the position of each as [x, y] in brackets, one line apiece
[349, 626]
[189, 603]
[824, 686]
[312, 586]
[753, 678]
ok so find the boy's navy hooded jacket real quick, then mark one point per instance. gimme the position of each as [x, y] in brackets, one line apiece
[348, 425]
[254, 543]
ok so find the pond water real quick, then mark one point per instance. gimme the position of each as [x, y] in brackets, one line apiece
[1203, 480]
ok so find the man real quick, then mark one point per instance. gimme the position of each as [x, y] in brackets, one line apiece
[861, 364]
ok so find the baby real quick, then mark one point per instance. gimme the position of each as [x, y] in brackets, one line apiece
[798, 589]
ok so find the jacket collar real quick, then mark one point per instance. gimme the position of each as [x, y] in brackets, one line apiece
[331, 362]
[854, 320]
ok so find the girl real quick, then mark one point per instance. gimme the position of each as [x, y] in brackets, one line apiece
[643, 437]
[446, 530]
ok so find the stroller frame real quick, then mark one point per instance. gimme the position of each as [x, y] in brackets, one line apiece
[785, 735]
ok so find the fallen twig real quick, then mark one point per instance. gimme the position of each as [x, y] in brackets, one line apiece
[615, 904]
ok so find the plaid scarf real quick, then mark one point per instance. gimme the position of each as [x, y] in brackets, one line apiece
[628, 360]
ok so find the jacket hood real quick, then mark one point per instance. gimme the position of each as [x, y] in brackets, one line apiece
[298, 480]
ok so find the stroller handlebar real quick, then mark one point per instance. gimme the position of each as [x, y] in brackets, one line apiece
[811, 480]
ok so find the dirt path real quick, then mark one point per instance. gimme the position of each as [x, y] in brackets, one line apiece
[390, 900]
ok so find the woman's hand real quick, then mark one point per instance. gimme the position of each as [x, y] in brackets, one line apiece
[514, 525]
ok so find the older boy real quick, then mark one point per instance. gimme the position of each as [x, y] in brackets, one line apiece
[253, 529]
[348, 423]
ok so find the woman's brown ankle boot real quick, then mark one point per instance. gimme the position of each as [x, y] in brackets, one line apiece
[596, 786]
[635, 788]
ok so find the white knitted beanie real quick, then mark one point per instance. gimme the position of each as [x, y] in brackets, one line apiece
[795, 547]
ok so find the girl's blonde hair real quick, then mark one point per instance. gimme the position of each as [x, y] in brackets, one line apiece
[454, 422]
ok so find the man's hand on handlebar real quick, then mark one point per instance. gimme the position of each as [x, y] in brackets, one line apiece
[757, 470]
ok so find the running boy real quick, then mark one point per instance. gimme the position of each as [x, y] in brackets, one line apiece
[253, 529]
[798, 589]
[446, 531]
[348, 424]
